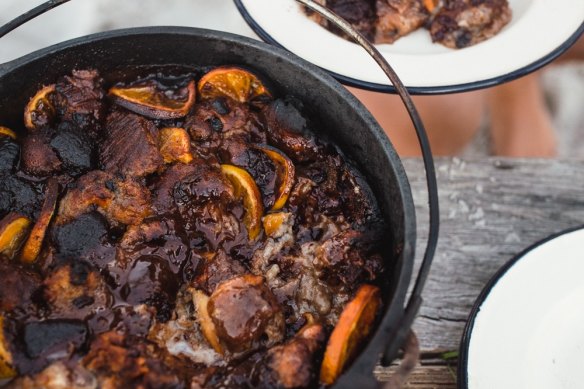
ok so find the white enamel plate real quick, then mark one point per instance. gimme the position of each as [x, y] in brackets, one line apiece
[539, 31]
[526, 330]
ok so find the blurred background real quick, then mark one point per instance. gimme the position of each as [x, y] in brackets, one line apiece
[81, 17]
[539, 115]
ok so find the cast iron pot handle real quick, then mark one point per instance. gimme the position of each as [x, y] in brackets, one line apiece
[404, 322]
[413, 305]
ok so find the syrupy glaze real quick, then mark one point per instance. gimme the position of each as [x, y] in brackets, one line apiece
[453, 23]
[138, 244]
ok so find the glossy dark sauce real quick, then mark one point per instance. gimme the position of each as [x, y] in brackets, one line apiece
[111, 288]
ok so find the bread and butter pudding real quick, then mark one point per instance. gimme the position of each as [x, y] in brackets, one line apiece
[180, 228]
[453, 23]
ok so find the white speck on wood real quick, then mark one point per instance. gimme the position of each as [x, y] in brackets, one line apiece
[520, 201]
[512, 238]
[463, 206]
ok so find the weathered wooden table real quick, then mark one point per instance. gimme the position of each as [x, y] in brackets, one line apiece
[491, 209]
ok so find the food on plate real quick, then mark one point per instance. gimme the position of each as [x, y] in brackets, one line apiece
[184, 228]
[463, 23]
[398, 18]
[453, 23]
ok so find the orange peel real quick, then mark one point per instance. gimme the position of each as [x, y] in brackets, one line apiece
[6, 369]
[430, 4]
[285, 172]
[148, 100]
[40, 111]
[233, 82]
[13, 231]
[201, 300]
[5, 131]
[246, 188]
[175, 145]
[32, 246]
[354, 325]
[273, 221]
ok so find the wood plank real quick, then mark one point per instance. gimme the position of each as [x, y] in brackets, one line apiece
[426, 377]
[491, 210]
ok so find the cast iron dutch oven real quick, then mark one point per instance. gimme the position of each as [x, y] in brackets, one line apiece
[341, 116]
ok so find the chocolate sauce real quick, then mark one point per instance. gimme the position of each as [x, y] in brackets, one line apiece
[111, 296]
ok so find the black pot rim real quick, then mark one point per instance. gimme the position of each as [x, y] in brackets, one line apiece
[426, 90]
[379, 339]
[462, 374]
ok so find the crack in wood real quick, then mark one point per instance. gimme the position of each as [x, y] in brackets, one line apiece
[448, 319]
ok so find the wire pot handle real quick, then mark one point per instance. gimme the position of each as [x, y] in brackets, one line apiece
[29, 15]
[401, 323]
[415, 301]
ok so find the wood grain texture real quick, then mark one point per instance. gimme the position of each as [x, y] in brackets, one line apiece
[426, 377]
[491, 210]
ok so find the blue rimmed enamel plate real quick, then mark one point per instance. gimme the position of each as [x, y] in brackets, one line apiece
[526, 330]
[539, 31]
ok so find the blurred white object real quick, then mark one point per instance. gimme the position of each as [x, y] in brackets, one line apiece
[564, 88]
[528, 328]
[81, 17]
[212, 14]
[65, 22]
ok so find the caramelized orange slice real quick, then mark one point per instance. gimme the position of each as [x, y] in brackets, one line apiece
[5, 131]
[34, 243]
[13, 230]
[353, 327]
[246, 189]
[39, 111]
[232, 82]
[200, 300]
[175, 145]
[285, 172]
[149, 100]
[273, 221]
[430, 4]
[6, 369]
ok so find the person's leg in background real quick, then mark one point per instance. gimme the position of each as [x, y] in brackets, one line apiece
[520, 124]
[520, 121]
[450, 120]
